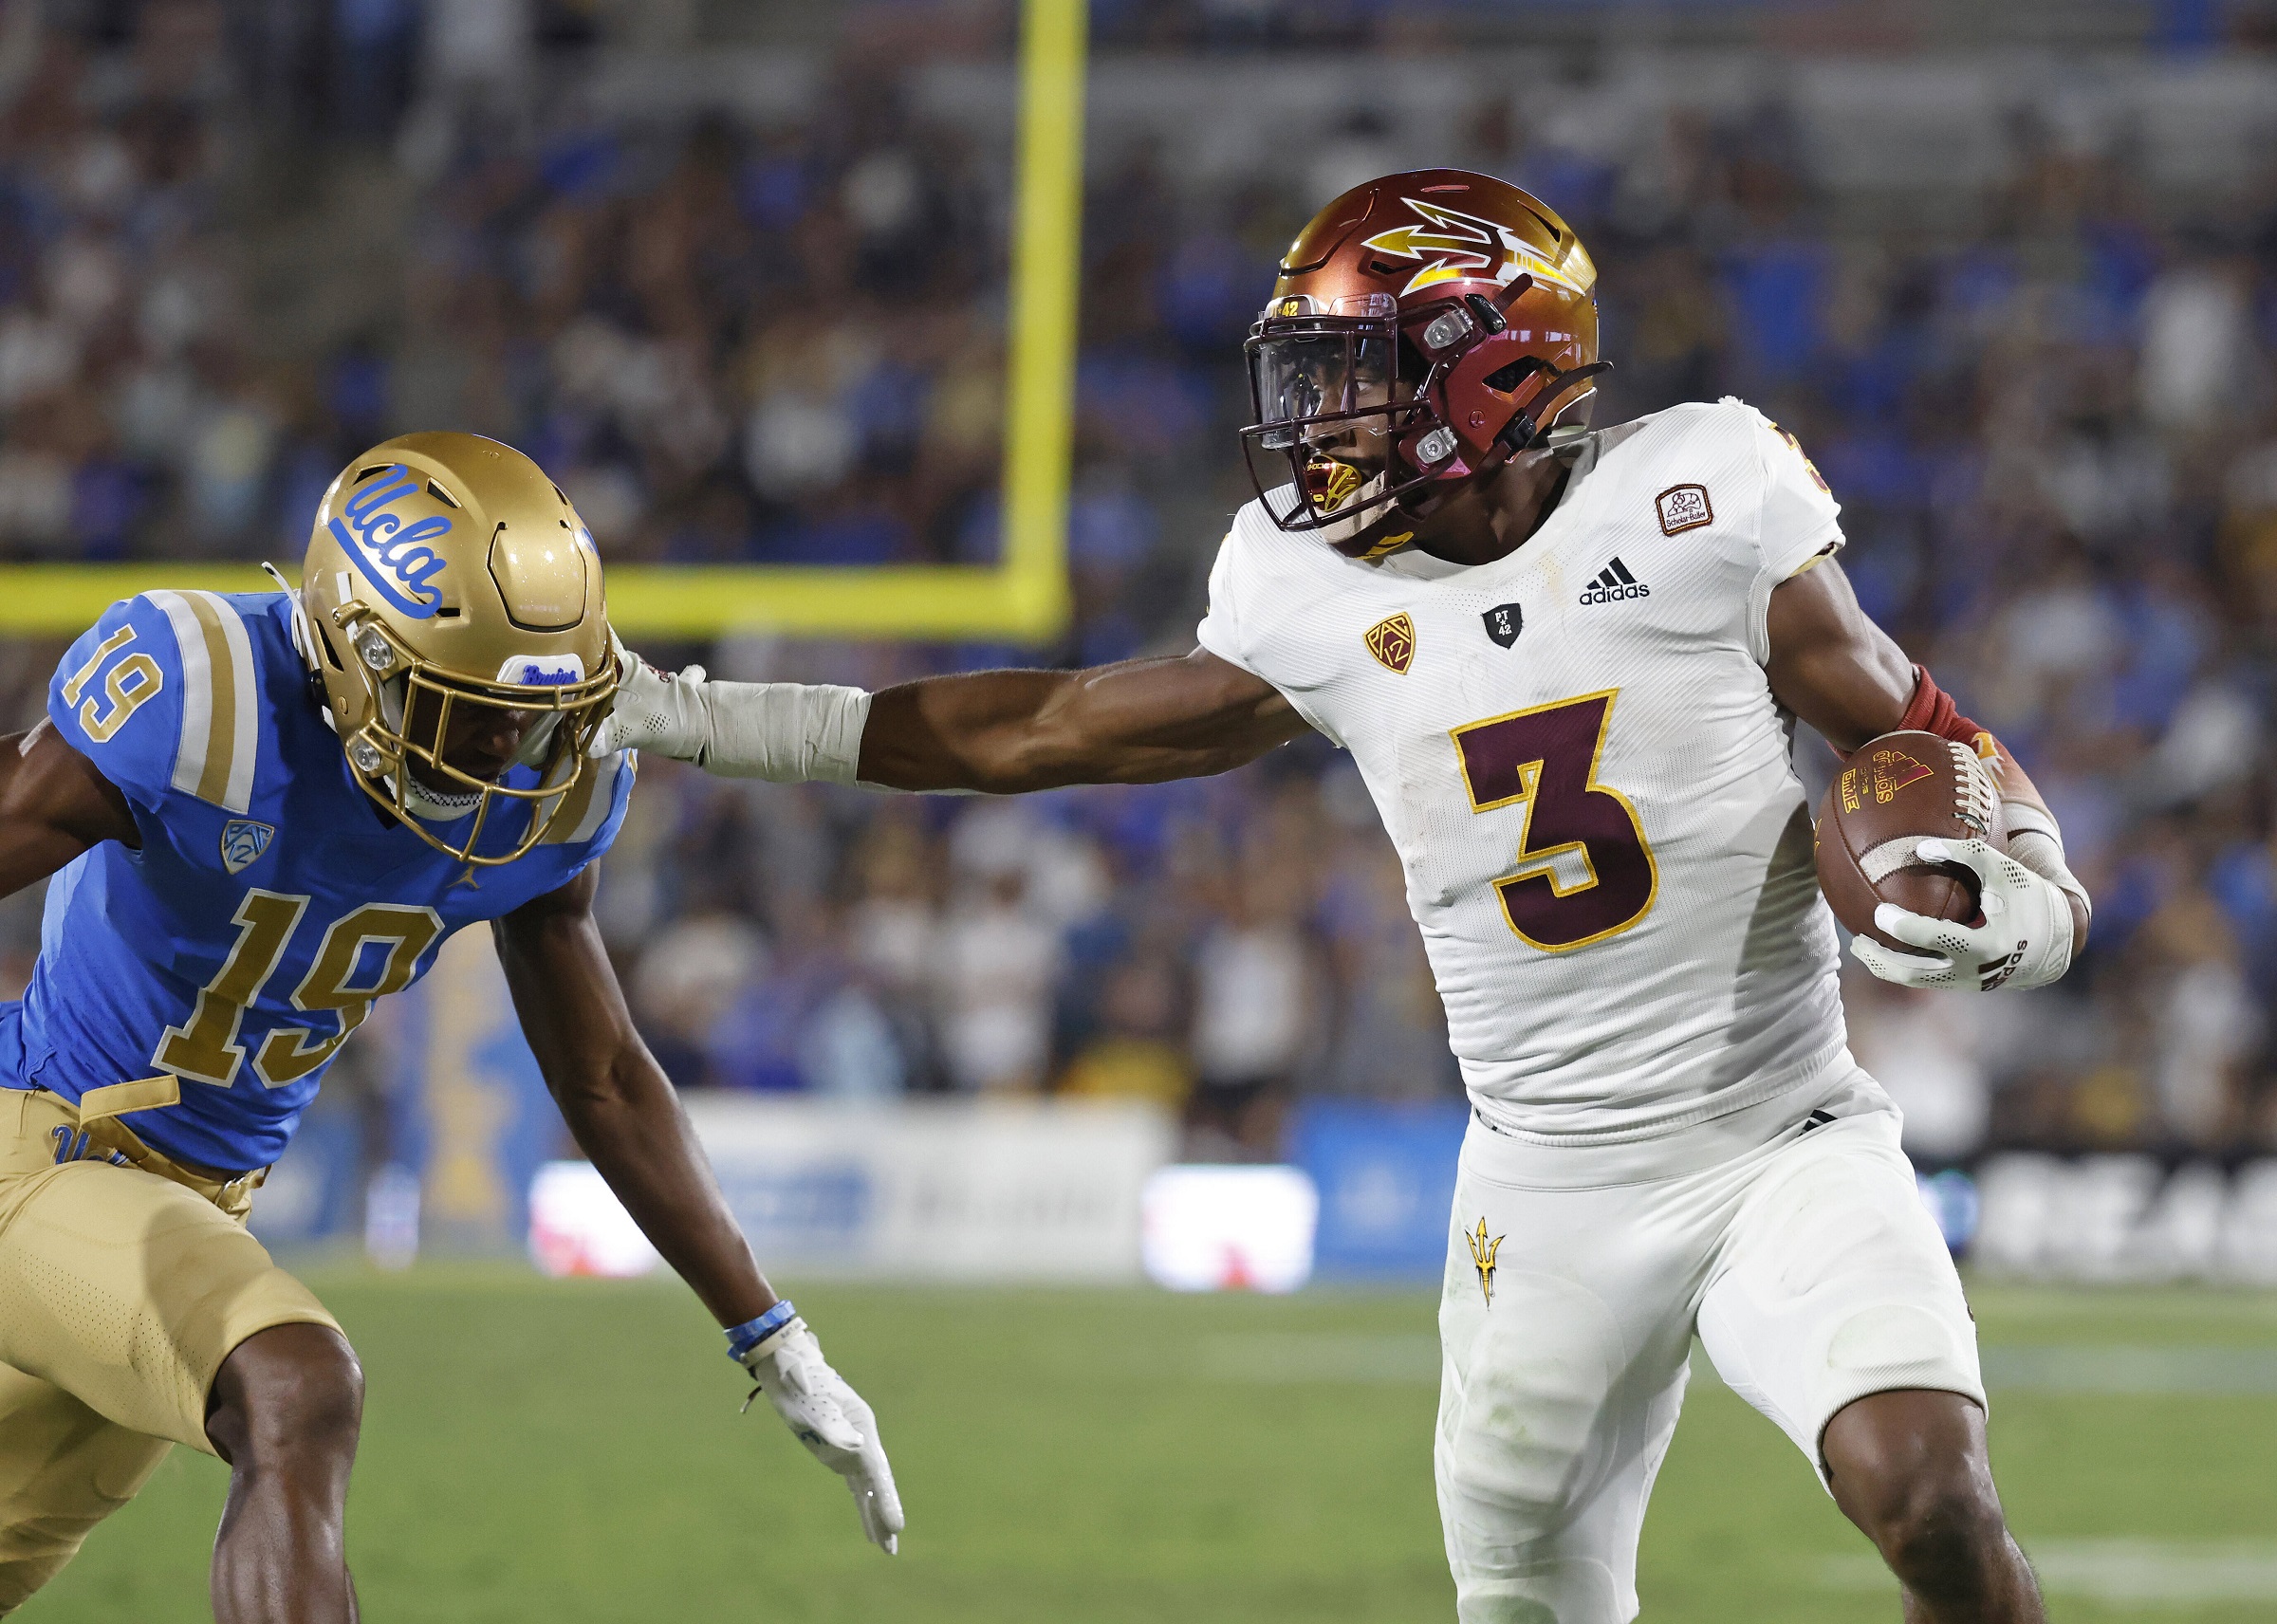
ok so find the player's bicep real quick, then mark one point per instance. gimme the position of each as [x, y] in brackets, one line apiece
[1138, 722]
[565, 989]
[54, 804]
[1830, 664]
[1181, 716]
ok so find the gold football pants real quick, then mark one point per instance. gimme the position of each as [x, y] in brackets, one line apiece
[121, 1292]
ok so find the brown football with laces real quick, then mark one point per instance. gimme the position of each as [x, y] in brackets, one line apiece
[1891, 795]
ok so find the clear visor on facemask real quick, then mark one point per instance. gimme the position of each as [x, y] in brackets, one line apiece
[1312, 374]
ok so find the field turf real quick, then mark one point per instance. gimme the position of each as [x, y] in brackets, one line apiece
[571, 1451]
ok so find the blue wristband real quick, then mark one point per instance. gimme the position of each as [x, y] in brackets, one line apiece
[744, 1337]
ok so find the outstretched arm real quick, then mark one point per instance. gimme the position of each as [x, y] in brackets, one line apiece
[1143, 721]
[625, 1117]
[997, 731]
[1836, 669]
[620, 1108]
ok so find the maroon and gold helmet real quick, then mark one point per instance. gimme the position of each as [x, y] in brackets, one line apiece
[1426, 327]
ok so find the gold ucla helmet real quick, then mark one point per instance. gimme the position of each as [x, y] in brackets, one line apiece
[446, 570]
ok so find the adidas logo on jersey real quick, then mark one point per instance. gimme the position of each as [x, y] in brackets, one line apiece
[1613, 583]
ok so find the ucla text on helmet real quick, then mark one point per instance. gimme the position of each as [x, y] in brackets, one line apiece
[393, 557]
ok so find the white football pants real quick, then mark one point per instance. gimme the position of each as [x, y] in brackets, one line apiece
[1798, 1250]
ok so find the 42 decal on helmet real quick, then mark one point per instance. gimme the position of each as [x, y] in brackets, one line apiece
[393, 557]
[1463, 247]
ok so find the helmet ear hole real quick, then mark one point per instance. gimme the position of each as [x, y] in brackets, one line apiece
[1506, 380]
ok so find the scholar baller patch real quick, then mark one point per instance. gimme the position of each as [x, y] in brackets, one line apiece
[1684, 508]
[1392, 642]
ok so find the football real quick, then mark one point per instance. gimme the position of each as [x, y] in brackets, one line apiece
[1893, 793]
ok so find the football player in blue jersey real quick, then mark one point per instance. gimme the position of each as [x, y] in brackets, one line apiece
[262, 812]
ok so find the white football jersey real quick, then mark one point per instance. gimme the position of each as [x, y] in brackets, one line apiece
[1576, 753]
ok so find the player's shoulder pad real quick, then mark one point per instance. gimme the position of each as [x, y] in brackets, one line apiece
[1780, 455]
[162, 694]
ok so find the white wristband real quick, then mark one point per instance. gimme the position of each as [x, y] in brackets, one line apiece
[786, 732]
[2041, 849]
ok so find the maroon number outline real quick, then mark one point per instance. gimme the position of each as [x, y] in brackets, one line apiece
[1519, 748]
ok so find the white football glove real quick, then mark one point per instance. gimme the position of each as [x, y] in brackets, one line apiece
[653, 712]
[787, 732]
[831, 1419]
[2024, 941]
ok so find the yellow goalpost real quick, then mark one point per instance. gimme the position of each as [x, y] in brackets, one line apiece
[1023, 598]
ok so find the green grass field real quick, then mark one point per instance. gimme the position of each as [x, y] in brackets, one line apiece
[571, 1451]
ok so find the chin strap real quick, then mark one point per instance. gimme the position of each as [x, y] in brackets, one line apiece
[1531, 428]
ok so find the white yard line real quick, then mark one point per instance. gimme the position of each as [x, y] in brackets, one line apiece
[2181, 1370]
[2143, 1573]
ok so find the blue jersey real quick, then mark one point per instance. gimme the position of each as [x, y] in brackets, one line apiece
[272, 900]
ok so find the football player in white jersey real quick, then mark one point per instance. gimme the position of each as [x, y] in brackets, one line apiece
[1568, 665]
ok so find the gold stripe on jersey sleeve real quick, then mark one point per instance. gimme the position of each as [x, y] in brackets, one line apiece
[589, 801]
[221, 738]
[564, 815]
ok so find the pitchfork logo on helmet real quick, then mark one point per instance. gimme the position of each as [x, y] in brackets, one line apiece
[1426, 327]
[1463, 247]
[445, 572]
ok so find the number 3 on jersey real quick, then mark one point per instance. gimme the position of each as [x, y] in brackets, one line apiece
[1545, 761]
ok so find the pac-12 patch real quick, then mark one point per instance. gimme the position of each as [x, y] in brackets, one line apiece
[1503, 622]
[1392, 640]
[242, 843]
[1684, 508]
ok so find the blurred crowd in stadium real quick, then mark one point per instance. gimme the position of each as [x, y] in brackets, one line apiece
[239, 243]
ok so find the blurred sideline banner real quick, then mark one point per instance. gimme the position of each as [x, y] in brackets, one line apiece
[1035, 1190]
[1385, 1176]
[2119, 1219]
[1229, 1228]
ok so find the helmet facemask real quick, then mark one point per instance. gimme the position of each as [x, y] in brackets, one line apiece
[1328, 401]
[399, 756]
[1355, 406]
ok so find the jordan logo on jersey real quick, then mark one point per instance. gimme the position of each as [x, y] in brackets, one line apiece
[242, 843]
[1482, 1258]
[1613, 583]
[1392, 640]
